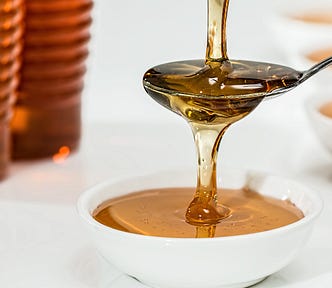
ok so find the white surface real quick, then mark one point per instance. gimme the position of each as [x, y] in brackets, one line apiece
[43, 243]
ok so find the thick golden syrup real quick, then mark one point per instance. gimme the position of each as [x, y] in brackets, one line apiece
[159, 212]
[211, 94]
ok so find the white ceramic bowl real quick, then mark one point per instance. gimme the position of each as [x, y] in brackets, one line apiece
[235, 261]
[321, 124]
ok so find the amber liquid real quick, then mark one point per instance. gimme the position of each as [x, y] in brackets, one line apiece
[159, 212]
[48, 110]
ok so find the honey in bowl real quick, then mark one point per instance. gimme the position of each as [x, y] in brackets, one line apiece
[160, 212]
[209, 263]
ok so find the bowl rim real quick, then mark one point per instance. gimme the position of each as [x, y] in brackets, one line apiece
[87, 195]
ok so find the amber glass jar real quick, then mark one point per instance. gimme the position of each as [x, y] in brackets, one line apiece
[11, 29]
[48, 109]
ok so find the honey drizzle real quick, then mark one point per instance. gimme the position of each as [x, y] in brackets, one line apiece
[216, 49]
[204, 209]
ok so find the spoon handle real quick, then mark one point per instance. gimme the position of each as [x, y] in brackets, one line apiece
[316, 68]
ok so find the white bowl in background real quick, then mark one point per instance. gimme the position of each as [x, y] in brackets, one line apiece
[292, 35]
[322, 79]
[234, 261]
[321, 124]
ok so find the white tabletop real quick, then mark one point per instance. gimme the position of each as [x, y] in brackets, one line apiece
[44, 244]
